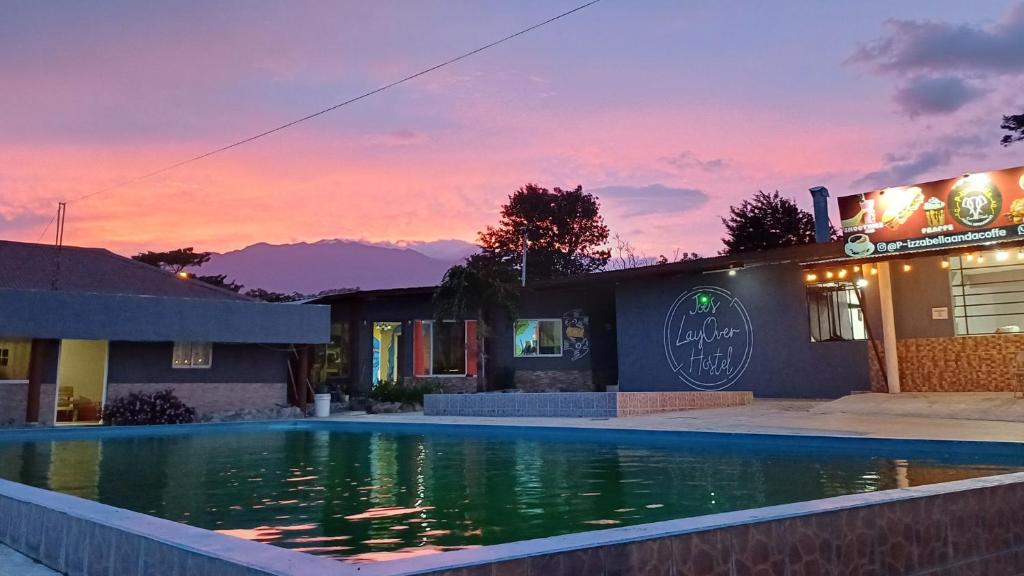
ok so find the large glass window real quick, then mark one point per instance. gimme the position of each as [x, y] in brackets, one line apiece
[192, 355]
[444, 348]
[333, 360]
[538, 338]
[988, 292]
[834, 311]
[14, 359]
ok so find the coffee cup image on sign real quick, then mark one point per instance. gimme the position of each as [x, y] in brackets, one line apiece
[900, 204]
[935, 212]
[859, 245]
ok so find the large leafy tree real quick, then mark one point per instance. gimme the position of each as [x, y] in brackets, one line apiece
[1014, 123]
[174, 260]
[565, 229]
[468, 291]
[766, 221]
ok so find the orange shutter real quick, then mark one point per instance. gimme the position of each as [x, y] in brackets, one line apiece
[471, 348]
[420, 350]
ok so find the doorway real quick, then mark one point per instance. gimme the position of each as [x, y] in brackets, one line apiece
[81, 381]
[385, 351]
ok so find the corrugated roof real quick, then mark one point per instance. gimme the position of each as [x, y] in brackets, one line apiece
[26, 266]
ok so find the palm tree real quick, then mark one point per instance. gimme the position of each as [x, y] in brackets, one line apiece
[470, 290]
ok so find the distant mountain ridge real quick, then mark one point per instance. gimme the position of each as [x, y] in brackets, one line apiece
[331, 264]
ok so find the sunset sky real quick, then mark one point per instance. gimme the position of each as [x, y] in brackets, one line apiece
[669, 110]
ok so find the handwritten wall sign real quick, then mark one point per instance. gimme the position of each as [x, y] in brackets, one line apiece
[575, 334]
[708, 338]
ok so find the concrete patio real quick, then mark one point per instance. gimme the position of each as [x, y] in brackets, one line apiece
[935, 416]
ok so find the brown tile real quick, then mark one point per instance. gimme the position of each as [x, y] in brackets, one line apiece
[704, 553]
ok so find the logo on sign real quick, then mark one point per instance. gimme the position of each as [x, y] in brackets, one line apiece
[708, 338]
[975, 200]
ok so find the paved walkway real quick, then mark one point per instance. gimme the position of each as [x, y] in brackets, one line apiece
[763, 416]
[14, 564]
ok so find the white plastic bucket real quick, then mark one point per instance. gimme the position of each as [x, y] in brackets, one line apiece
[322, 405]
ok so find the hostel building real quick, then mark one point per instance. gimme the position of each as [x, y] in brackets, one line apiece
[924, 293]
[81, 326]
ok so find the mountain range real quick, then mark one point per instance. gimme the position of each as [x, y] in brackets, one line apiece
[309, 268]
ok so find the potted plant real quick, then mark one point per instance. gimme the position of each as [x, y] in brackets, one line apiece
[322, 401]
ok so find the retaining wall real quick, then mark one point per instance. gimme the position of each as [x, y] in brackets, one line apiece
[578, 404]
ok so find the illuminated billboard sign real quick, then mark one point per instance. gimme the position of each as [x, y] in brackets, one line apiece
[972, 209]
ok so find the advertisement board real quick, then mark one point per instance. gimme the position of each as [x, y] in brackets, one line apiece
[971, 209]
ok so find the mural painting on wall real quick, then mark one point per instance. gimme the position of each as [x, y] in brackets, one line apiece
[575, 334]
[708, 338]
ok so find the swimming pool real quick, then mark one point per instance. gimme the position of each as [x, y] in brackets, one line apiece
[363, 492]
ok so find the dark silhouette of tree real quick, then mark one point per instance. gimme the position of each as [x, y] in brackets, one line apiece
[268, 296]
[221, 281]
[766, 221]
[174, 260]
[468, 291]
[1015, 125]
[565, 229]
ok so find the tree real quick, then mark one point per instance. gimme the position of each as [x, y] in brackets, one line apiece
[565, 230]
[221, 281]
[1015, 125]
[767, 221]
[468, 291]
[268, 296]
[174, 260]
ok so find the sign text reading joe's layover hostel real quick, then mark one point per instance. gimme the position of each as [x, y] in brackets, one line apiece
[975, 208]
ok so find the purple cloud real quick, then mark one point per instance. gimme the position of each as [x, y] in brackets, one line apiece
[923, 95]
[912, 47]
[906, 168]
[653, 199]
[687, 160]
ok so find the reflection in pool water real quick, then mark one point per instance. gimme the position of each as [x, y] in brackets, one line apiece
[364, 496]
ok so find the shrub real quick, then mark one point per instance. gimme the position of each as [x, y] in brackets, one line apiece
[138, 408]
[413, 394]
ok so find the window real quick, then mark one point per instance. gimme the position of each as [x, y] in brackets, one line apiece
[14, 359]
[192, 355]
[333, 360]
[444, 348]
[988, 292]
[834, 311]
[538, 338]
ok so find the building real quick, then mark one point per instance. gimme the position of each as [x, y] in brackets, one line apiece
[81, 326]
[924, 293]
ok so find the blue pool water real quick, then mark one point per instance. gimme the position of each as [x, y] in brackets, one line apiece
[370, 492]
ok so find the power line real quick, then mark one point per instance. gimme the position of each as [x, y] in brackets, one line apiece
[331, 108]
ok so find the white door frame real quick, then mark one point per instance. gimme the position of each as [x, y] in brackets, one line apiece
[56, 386]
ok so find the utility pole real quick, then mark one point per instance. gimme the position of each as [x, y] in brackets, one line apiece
[62, 208]
[526, 247]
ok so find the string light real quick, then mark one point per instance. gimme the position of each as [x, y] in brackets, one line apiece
[856, 268]
[874, 271]
[829, 274]
[1020, 254]
[981, 258]
[906, 267]
[862, 283]
[1002, 255]
[842, 273]
[811, 277]
[969, 257]
[945, 263]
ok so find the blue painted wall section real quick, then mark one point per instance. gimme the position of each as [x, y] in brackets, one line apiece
[783, 362]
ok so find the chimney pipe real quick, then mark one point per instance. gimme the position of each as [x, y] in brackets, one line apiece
[822, 226]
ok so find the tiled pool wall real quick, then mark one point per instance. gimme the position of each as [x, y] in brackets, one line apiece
[578, 404]
[957, 528]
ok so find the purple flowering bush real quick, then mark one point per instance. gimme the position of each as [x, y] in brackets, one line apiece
[140, 408]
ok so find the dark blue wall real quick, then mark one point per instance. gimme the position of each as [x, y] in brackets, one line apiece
[597, 302]
[137, 362]
[784, 363]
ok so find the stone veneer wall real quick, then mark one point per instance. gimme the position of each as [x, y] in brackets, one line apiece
[14, 403]
[554, 380]
[955, 529]
[208, 397]
[578, 404]
[961, 364]
[448, 384]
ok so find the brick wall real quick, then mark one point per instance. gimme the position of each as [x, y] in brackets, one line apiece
[638, 403]
[554, 380]
[208, 397]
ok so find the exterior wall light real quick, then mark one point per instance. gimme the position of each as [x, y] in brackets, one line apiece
[945, 263]
[862, 283]
[1002, 255]
[906, 267]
